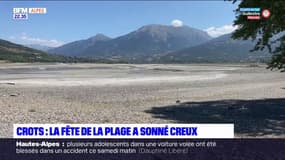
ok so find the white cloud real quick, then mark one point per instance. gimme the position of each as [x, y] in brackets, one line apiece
[218, 31]
[176, 23]
[26, 39]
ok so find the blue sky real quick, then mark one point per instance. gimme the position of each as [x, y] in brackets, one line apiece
[67, 21]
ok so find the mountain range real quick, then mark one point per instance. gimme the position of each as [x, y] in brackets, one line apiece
[11, 52]
[164, 44]
[39, 47]
[147, 41]
[148, 44]
[220, 49]
[77, 48]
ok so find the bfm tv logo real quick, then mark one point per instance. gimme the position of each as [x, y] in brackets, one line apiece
[22, 13]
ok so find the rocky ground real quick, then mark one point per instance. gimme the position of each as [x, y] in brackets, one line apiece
[250, 96]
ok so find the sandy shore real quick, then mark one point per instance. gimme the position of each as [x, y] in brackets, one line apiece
[121, 93]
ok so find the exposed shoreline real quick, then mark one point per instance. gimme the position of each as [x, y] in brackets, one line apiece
[129, 93]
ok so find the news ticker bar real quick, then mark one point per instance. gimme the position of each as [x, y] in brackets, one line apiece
[123, 131]
[101, 0]
[146, 149]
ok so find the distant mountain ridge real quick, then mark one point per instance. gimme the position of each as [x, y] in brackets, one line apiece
[147, 41]
[220, 49]
[11, 52]
[164, 44]
[18, 53]
[73, 48]
[39, 47]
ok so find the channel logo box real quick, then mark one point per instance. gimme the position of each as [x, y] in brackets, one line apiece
[37, 10]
